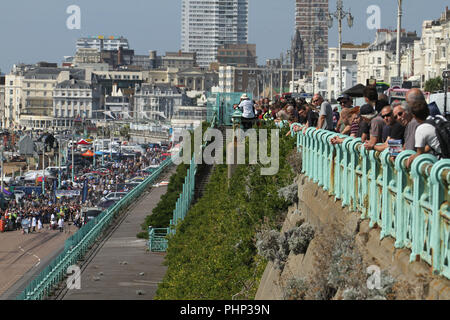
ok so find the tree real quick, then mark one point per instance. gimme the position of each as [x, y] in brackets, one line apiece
[434, 84]
[125, 131]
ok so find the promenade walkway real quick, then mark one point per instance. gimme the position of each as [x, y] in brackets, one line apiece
[122, 269]
[23, 255]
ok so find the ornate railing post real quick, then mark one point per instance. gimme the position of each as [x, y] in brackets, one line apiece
[415, 233]
[400, 214]
[440, 233]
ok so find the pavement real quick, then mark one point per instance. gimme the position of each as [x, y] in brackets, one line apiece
[24, 255]
[122, 268]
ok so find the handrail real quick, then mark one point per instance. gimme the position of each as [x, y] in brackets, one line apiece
[410, 205]
[184, 201]
[78, 244]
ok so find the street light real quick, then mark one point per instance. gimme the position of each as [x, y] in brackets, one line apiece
[399, 27]
[445, 76]
[339, 15]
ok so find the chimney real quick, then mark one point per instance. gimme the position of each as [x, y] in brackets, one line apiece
[119, 56]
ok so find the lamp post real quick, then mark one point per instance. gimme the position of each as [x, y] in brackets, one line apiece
[399, 28]
[59, 162]
[445, 76]
[281, 76]
[43, 169]
[73, 155]
[339, 15]
[1, 160]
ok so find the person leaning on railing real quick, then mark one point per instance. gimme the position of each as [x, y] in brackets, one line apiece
[392, 130]
[426, 139]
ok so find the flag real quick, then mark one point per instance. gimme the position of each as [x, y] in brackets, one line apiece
[85, 190]
[55, 186]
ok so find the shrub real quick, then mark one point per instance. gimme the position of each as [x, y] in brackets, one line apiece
[289, 193]
[276, 247]
[295, 289]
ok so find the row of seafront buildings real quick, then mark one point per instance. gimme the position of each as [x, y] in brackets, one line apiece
[105, 80]
[422, 58]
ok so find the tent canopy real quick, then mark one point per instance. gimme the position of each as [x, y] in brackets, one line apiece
[83, 142]
[88, 153]
[356, 91]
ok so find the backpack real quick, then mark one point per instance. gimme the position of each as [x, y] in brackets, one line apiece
[442, 127]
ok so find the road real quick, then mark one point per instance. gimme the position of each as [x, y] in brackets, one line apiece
[122, 269]
[22, 255]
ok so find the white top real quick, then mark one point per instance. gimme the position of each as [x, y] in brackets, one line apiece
[33, 222]
[61, 222]
[426, 135]
[247, 109]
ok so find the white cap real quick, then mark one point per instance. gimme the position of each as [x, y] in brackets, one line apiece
[244, 96]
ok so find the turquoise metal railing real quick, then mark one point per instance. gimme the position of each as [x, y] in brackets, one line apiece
[410, 205]
[158, 238]
[78, 244]
[220, 106]
[158, 241]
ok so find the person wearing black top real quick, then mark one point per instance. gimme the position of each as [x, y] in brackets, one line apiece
[392, 131]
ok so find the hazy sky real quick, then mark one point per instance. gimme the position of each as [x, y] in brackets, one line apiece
[35, 30]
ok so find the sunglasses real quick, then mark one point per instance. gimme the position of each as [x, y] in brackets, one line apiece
[399, 115]
[386, 115]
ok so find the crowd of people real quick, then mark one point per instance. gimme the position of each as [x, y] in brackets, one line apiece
[34, 212]
[409, 125]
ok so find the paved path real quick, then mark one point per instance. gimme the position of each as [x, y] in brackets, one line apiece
[115, 272]
[23, 255]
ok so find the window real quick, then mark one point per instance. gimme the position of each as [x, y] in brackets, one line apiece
[11, 83]
[354, 56]
[379, 60]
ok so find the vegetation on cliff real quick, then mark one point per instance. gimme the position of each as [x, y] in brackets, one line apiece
[213, 254]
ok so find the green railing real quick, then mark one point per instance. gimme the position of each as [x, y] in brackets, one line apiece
[411, 206]
[78, 244]
[158, 240]
[220, 106]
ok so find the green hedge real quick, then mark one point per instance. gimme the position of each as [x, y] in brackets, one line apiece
[213, 253]
[163, 212]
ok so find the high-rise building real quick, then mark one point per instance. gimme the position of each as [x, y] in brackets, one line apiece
[311, 22]
[207, 24]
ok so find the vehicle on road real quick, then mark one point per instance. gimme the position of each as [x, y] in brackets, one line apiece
[106, 204]
[91, 213]
[114, 196]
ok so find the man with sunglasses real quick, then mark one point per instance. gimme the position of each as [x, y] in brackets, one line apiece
[326, 113]
[392, 129]
[403, 115]
[345, 101]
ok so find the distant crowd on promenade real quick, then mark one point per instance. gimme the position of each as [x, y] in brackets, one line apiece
[411, 124]
[32, 212]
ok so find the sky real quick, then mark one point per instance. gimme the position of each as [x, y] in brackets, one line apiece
[35, 30]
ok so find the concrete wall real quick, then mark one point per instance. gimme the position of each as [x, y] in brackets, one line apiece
[319, 209]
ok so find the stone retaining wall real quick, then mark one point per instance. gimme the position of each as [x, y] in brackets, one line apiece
[319, 209]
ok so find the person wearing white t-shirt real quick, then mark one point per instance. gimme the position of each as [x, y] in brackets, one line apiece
[426, 140]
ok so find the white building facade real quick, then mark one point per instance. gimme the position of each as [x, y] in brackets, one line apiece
[378, 61]
[103, 43]
[157, 102]
[74, 100]
[432, 52]
[206, 25]
[349, 62]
